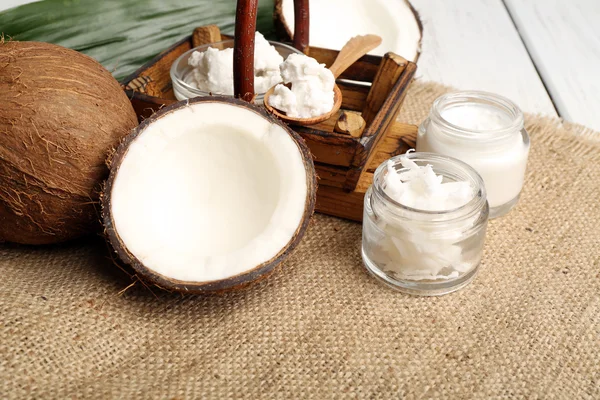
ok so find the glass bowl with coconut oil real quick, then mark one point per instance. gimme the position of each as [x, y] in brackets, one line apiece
[182, 72]
[422, 251]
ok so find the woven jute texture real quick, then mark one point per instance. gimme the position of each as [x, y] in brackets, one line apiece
[527, 327]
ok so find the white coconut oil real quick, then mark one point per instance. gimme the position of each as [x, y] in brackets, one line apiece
[311, 93]
[424, 223]
[485, 131]
[212, 69]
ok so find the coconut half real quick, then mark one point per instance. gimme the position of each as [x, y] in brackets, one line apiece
[333, 22]
[208, 194]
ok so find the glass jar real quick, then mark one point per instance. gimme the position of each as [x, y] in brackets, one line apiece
[485, 131]
[424, 252]
[181, 71]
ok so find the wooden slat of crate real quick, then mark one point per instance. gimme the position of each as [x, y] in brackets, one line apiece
[329, 147]
[341, 203]
[381, 122]
[354, 96]
[330, 175]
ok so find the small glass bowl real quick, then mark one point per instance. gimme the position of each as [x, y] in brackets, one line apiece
[403, 246]
[180, 69]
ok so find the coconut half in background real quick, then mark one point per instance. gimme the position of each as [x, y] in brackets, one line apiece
[208, 194]
[333, 22]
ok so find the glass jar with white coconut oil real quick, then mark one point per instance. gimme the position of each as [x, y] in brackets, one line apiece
[424, 224]
[486, 131]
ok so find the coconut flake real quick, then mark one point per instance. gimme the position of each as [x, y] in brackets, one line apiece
[420, 188]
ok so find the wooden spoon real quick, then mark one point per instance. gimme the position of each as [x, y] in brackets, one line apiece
[354, 49]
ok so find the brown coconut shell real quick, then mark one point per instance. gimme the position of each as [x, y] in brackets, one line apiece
[284, 33]
[61, 113]
[236, 282]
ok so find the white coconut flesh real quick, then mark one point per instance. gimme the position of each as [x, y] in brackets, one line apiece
[208, 192]
[334, 22]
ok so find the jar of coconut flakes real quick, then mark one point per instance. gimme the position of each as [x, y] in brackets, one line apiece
[425, 218]
[486, 131]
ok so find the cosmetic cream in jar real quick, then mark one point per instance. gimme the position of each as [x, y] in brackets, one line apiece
[425, 217]
[485, 131]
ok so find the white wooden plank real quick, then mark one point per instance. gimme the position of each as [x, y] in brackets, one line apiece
[473, 44]
[563, 38]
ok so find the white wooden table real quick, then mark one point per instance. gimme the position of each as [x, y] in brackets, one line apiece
[542, 54]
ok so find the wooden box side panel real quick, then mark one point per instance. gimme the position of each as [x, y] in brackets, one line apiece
[388, 90]
[328, 147]
[354, 95]
[340, 203]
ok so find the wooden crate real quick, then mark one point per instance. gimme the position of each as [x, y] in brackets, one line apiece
[344, 161]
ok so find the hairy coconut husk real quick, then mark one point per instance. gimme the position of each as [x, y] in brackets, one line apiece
[61, 113]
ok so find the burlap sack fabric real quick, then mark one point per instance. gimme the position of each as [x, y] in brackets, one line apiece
[527, 327]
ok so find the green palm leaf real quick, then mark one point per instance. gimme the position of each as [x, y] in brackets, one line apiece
[122, 34]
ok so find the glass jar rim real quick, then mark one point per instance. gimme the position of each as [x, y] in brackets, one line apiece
[179, 80]
[474, 205]
[502, 103]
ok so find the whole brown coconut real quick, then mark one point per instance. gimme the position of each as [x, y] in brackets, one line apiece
[61, 113]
